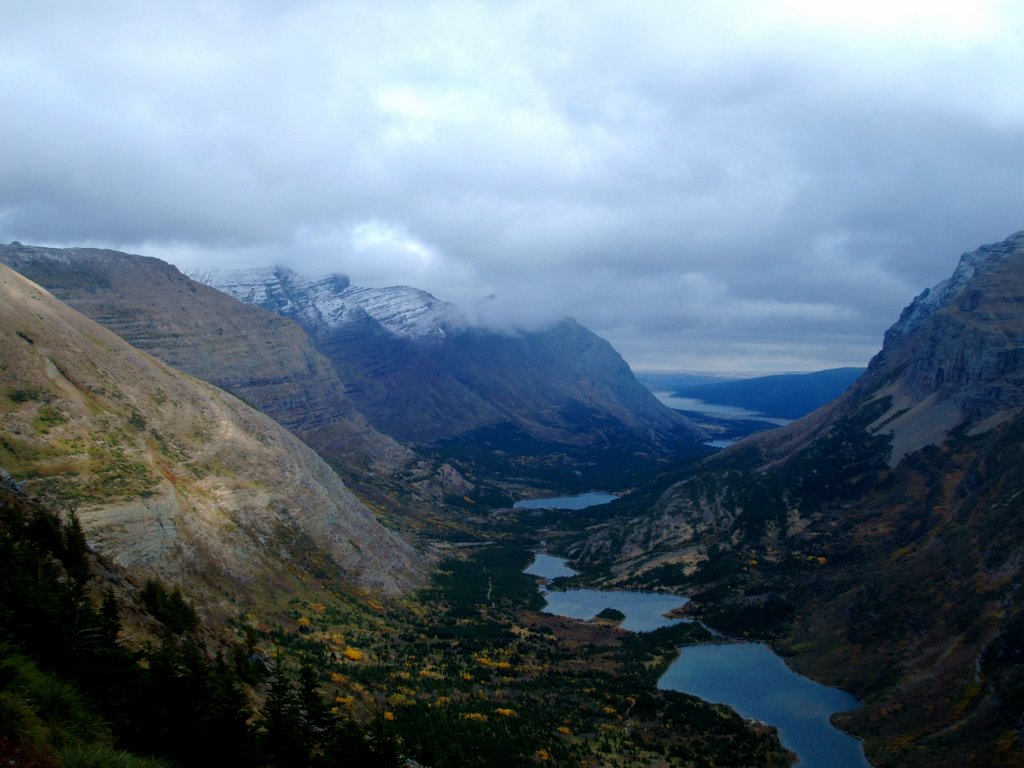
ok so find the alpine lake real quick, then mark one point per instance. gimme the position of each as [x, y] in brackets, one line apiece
[748, 677]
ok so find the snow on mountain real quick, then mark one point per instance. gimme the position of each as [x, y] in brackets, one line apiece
[332, 301]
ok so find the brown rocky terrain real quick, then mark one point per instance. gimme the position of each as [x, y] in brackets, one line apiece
[878, 540]
[173, 477]
[263, 358]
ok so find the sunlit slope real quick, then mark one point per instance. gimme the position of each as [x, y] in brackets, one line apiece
[172, 476]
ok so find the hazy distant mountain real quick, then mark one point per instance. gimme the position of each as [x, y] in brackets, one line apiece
[421, 373]
[172, 476]
[786, 396]
[879, 538]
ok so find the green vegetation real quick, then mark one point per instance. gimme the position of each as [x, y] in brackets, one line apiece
[24, 394]
[469, 674]
[48, 417]
[474, 675]
[611, 614]
[492, 457]
[72, 695]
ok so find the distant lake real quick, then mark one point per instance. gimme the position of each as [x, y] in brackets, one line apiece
[715, 409]
[580, 501]
[719, 443]
[644, 610]
[748, 677]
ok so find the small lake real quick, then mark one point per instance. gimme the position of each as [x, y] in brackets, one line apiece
[644, 610]
[749, 677]
[549, 567]
[580, 501]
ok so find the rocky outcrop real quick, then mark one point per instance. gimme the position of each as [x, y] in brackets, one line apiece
[172, 476]
[963, 340]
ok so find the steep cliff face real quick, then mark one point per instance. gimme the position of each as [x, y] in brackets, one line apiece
[421, 372]
[172, 476]
[879, 539]
[954, 361]
[963, 340]
[264, 358]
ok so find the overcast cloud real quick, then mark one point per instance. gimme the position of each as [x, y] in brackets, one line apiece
[714, 186]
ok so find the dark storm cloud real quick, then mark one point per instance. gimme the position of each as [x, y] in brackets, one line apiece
[743, 186]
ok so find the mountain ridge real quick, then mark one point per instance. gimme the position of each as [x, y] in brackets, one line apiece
[265, 359]
[877, 540]
[784, 395]
[423, 374]
[170, 475]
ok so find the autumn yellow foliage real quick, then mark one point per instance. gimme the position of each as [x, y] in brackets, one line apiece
[353, 654]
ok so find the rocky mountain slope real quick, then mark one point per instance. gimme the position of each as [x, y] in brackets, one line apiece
[880, 539]
[421, 373]
[265, 359]
[171, 476]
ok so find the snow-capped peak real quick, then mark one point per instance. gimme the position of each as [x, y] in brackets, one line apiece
[332, 301]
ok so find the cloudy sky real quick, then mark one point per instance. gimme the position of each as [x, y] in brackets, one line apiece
[712, 186]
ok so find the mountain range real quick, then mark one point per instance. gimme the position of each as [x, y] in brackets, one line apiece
[172, 477]
[877, 540]
[785, 395]
[365, 375]
[421, 372]
[212, 435]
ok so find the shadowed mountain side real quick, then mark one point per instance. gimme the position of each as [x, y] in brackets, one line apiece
[170, 475]
[878, 539]
[420, 372]
[265, 359]
[561, 383]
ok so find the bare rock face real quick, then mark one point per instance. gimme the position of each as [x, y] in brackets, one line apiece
[170, 475]
[963, 340]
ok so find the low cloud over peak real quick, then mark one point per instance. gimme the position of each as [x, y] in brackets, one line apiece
[759, 185]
